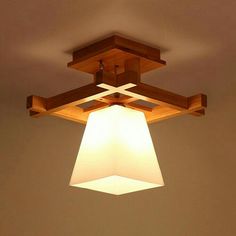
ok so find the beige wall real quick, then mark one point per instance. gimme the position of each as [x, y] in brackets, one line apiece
[196, 155]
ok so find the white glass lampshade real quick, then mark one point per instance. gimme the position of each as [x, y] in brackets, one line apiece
[116, 154]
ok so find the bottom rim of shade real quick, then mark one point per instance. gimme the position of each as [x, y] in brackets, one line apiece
[117, 185]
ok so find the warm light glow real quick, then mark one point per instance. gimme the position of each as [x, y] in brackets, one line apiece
[116, 154]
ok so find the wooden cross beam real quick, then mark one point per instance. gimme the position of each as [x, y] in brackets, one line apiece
[65, 105]
[117, 64]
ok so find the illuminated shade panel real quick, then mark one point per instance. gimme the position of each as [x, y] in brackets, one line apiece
[116, 155]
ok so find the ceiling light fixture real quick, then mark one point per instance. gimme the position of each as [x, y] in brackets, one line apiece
[116, 154]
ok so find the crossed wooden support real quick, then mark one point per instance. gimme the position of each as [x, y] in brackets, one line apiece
[66, 105]
[112, 87]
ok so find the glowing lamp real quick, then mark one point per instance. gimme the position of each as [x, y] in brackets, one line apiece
[116, 155]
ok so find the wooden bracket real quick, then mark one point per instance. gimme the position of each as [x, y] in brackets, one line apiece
[117, 81]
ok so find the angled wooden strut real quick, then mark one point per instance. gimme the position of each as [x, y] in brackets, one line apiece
[117, 64]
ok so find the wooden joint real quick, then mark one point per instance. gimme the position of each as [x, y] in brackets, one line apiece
[196, 100]
[105, 77]
[130, 75]
[36, 103]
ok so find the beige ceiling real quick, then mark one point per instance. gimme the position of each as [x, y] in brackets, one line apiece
[197, 155]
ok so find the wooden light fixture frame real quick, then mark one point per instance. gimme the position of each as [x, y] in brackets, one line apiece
[117, 64]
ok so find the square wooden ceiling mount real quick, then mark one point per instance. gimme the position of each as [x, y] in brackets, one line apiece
[117, 64]
[114, 52]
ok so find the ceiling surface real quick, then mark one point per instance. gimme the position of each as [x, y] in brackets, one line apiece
[196, 155]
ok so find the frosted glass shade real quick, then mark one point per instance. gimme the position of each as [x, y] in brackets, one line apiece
[116, 154]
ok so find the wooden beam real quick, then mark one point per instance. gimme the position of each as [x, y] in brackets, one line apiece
[69, 113]
[95, 107]
[111, 99]
[133, 64]
[71, 98]
[158, 96]
[43, 106]
[120, 89]
[138, 107]
[197, 103]
[103, 77]
[126, 99]
[78, 114]
[64, 105]
[107, 99]
[130, 75]
[76, 96]
[72, 113]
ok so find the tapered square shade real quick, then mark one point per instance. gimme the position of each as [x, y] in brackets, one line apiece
[116, 155]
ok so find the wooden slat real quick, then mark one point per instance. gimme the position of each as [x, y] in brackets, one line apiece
[105, 77]
[69, 113]
[123, 99]
[95, 107]
[71, 98]
[120, 89]
[102, 77]
[72, 113]
[138, 107]
[107, 99]
[76, 96]
[158, 96]
[44, 106]
[63, 105]
[78, 114]
[133, 65]
[130, 75]
[126, 99]
[196, 104]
